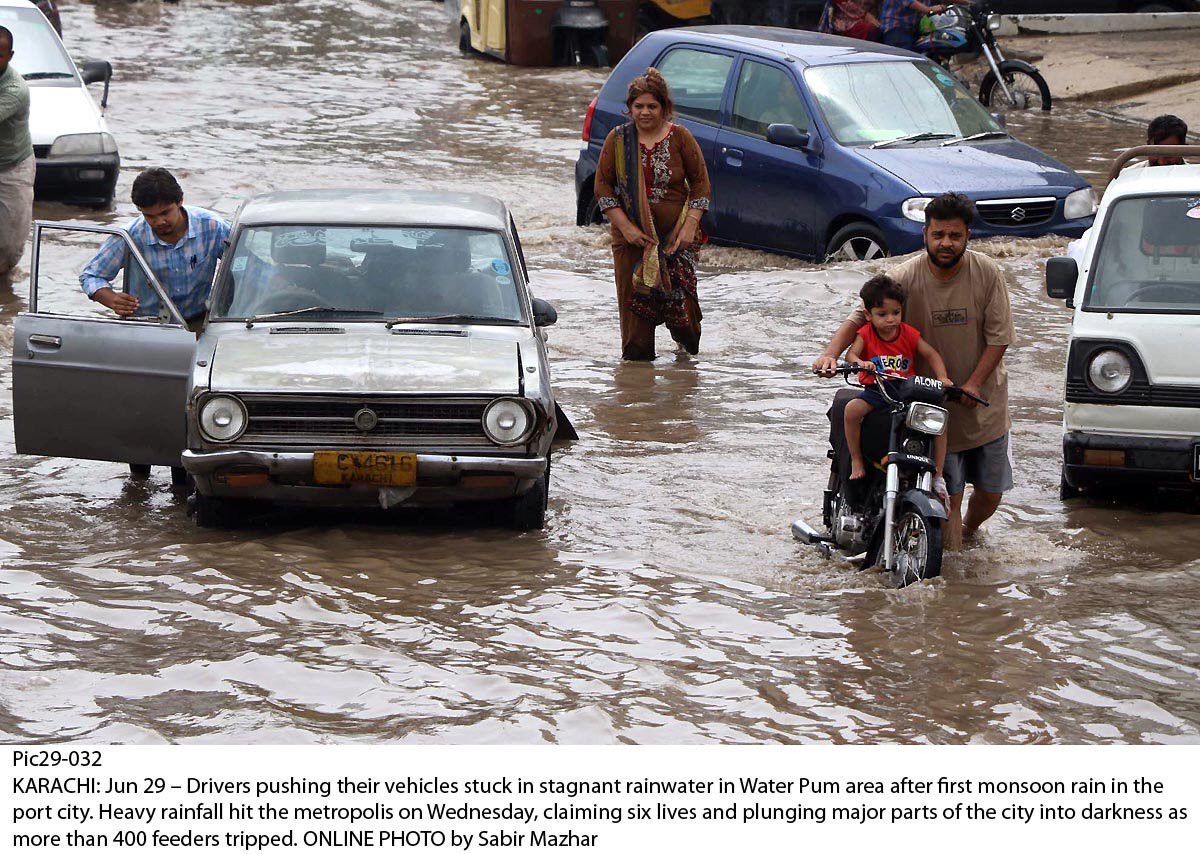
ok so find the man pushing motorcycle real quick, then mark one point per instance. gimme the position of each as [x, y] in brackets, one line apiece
[958, 301]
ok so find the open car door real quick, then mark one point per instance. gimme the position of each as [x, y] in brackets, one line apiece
[86, 383]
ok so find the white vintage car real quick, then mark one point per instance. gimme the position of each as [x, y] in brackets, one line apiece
[362, 348]
[1132, 411]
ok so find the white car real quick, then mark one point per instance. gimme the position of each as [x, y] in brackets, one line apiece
[77, 157]
[1132, 410]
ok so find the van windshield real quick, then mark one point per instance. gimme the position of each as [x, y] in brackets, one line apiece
[870, 102]
[369, 273]
[37, 52]
[1148, 259]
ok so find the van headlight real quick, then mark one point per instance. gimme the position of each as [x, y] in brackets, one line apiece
[76, 144]
[1080, 203]
[222, 418]
[1109, 371]
[914, 209]
[508, 421]
[927, 418]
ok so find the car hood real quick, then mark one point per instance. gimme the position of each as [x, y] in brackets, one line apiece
[55, 111]
[992, 169]
[263, 359]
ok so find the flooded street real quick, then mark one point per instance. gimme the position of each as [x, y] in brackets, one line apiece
[666, 602]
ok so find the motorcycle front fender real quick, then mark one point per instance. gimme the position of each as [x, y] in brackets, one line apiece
[1018, 65]
[923, 502]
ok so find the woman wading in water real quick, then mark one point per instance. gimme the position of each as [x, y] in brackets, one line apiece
[652, 185]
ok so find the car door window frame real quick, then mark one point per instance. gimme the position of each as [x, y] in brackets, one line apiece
[133, 254]
[726, 92]
[743, 60]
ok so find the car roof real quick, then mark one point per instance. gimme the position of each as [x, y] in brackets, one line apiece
[376, 207]
[807, 48]
[1155, 180]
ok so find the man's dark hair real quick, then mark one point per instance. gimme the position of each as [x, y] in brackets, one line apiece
[6, 34]
[951, 206]
[881, 287]
[1165, 127]
[155, 187]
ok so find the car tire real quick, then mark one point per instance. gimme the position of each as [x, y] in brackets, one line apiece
[858, 241]
[1065, 490]
[464, 37]
[180, 477]
[137, 471]
[527, 512]
[591, 213]
[213, 512]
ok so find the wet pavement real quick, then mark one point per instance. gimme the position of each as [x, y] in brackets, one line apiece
[666, 601]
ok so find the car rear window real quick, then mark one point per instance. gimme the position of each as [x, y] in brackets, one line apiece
[697, 80]
[1148, 257]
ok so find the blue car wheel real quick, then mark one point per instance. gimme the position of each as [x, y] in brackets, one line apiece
[858, 241]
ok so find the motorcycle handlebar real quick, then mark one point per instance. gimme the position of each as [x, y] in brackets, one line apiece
[845, 369]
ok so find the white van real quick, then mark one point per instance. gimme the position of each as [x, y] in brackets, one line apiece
[1132, 410]
[77, 157]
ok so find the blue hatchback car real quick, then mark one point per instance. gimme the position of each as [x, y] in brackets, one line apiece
[829, 148]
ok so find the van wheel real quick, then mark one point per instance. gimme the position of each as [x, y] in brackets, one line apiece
[858, 241]
[212, 512]
[464, 37]
[528, 512]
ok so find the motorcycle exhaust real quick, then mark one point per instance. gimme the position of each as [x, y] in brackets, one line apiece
[806, 534]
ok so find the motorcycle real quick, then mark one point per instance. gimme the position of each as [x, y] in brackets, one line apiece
[892, 516]
[1010, 84]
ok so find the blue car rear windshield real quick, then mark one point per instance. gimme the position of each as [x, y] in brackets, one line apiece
[868, 102]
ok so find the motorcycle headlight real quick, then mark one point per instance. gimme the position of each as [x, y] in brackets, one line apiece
[508, 421]
[914, 209]
[927, 418]
[75, 144]
[222, 418]
[1080, 203]
[993, 22]
[1109, 371]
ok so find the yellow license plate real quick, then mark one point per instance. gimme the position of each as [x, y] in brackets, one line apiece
[341, 467]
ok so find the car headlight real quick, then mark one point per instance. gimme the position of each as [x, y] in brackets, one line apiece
[927, 418]
[914, 209]
[1109, 371]
[222, 418]
[75, 144]
[1080, 203]
[508, 421]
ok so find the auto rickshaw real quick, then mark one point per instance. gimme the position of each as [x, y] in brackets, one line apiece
[663, 14]
[549, 32]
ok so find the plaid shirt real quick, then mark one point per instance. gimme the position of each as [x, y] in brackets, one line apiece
[896, 15]
[185, 269]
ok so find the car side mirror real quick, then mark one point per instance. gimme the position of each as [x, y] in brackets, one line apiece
[543, 313]
[1061, 276]
[1000, 120]
[97, 71]
[789, 136]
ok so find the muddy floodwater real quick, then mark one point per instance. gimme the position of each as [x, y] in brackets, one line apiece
[666, 601]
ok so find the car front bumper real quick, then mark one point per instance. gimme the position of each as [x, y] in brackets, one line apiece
[1096, 459]
[89, 179]
[904, 235]
[441, 479]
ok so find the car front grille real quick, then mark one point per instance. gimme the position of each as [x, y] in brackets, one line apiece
[442, 423]
[1016, 213]
[1139, 393]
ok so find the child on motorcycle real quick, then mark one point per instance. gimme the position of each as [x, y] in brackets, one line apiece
[887, 343]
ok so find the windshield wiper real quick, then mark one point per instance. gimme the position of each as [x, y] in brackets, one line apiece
[455, 318]
[45, 75]
[250, 321]
[912, 137]
[987, 134]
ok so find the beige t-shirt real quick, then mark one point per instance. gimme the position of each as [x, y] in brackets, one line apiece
[959, 318]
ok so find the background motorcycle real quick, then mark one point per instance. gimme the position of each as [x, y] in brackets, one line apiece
[891, 514]
[1010, 84]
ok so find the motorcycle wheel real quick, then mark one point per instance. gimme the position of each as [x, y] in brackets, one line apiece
[597, 56]
[1029, 91]
[917, 546]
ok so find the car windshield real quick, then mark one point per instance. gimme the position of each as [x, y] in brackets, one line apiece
[37, 52]
[875, 102]
[369, 273]
[1148, 260]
